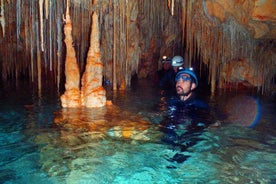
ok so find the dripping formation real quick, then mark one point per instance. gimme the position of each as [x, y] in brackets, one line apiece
[92, 94]
[233, 57]
[71, 96]
[230, 42]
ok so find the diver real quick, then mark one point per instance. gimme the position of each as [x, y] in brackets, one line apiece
[186, 117]
[167, 80]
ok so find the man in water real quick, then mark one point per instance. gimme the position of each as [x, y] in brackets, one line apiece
[167, 81]
[187, 116]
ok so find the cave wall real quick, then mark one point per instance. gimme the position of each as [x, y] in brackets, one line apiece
[234, 40]
[245, 33]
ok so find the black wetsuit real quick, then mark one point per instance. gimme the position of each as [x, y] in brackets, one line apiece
[167, 79]
[183, 123]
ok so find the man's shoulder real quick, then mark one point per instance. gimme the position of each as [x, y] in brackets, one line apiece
[193, 101]
[200, 104]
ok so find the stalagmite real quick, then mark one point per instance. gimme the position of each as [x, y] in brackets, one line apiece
[71, 97]
[213, 33]
[92, 92]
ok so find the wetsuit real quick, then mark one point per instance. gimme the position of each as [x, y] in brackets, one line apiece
[167, 79]
[183, 123]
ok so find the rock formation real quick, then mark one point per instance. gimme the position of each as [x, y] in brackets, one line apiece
[71, 96]
[210, 34]
[92, 92]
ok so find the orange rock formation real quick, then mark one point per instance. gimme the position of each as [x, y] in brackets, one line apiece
[92, 93]
[71, 97]
[254, 15]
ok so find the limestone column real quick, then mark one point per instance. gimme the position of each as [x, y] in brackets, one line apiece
[92, 92]
[71, 96]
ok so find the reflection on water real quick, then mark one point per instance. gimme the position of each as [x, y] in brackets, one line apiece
[121, 143]
[243, 110]
[102, 122]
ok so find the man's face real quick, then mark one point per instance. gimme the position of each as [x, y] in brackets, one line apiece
[175, 68]
[184, 85]
[167, 65]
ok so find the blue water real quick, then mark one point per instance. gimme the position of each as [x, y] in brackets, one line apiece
[42, 143]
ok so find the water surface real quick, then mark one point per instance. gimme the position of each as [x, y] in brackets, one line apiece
[42, 143]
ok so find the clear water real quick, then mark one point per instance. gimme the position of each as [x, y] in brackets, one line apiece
[42, 143]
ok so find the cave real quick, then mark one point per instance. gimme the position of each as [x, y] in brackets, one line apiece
[231, 44]
[79, 103]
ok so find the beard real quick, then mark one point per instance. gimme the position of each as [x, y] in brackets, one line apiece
[181, 92]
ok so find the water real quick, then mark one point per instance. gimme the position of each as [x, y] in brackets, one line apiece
[42, 143]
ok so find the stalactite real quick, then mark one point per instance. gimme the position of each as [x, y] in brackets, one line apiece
[32, 42]
[59, 50]
[127, 17]
[122, 45]
[172, 9]
[47, 8]
[114, 45]
[118, 43]
[18, 18]
[41, 24]
[32, 58]
[189, 32]
[213, 40]
[54, 42]
[149, 12]
[50, 32]
[171, 6]
[183, 21]
[219, 56]
[26, 33]
[38, 65]
[2, 17]
[232, 42]
[83, 37]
